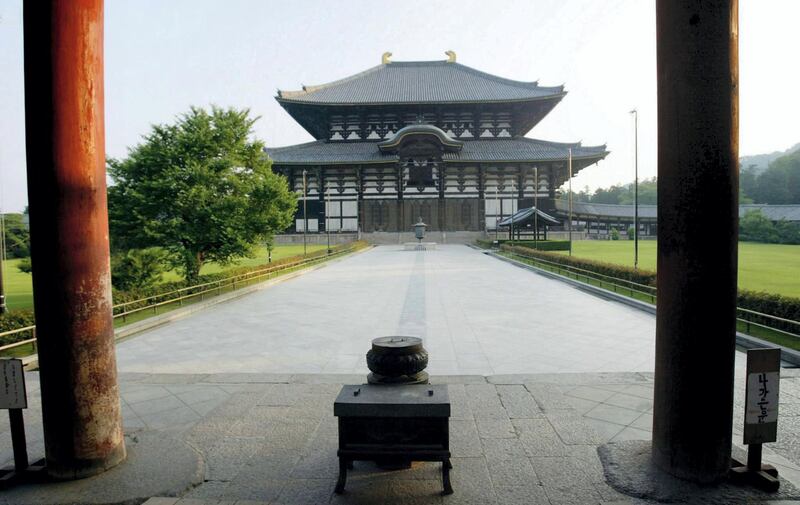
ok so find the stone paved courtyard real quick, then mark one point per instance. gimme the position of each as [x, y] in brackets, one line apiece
[516, 439]
[540, 375]
[476, 314]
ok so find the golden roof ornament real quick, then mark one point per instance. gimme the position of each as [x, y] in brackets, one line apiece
[451, 56]
[385, 58]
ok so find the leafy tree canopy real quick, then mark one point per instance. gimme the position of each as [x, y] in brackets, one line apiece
[754, 226]
[620, 194]
[136, 269]
[18, 239]
[778, 184]
[200, 189]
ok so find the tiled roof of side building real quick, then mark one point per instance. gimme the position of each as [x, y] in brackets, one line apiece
[497, 150]
[406, 82]
[606, 209]
[772, 212]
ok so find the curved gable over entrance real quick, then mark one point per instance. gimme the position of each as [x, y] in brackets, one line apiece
[420, 139]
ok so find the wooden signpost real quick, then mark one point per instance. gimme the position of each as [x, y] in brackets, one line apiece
[13, 398]
[760, 417]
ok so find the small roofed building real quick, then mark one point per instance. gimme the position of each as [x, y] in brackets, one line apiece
[528, 222]
[435, 140]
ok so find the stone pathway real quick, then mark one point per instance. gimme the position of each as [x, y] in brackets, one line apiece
[527, 439]
[477, 315]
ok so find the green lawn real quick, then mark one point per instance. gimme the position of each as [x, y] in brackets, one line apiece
[19, 293]
[773, 268]
[260, 258]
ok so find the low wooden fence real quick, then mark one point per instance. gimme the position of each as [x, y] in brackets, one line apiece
[135, 309]
[749, 322]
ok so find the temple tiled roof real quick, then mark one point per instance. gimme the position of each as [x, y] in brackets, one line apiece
[524, 216]
[406, 82]
[520, 149]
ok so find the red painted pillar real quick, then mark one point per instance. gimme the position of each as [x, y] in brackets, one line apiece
[698, 130]
[69, 236]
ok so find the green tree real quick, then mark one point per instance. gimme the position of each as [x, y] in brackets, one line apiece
[788, 232]
[748, 183]
[136, 269]
[648, 193]
[608, 195]
[778, 184]
[754, 226]
[200, 189]
[25, 266]
[18, 238]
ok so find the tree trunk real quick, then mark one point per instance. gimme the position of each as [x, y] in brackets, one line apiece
[191, 266]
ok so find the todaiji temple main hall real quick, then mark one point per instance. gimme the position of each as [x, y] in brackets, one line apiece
[430, 139]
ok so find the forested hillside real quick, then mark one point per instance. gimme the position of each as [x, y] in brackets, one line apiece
[778, 183]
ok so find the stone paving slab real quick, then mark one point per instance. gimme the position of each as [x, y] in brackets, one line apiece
[156, 465]
[273, 440]
[476, 314]
[629, 469]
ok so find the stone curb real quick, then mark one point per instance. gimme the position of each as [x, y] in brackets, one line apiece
[743, 340]
[133, 329]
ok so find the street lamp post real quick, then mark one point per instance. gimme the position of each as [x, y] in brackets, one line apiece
[305, 210]
[569, 224]
[3, 308]
[635, 188]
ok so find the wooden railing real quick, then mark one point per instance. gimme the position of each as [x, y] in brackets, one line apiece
[126, 310]
[749, 320]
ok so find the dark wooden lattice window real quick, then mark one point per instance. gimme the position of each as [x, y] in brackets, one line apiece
[420, 173]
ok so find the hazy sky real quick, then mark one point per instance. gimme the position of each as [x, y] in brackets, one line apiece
[163, 56]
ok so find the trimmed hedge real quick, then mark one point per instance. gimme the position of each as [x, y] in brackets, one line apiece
[168, 287]
[786, 307]
[13, 320]
[540, 245]
[22, 318]
[645, 277]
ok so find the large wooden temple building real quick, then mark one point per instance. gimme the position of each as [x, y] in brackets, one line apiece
[430, 139]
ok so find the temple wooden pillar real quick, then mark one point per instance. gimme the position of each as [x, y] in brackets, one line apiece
[360, 212]
[69, 236]
[697, 57]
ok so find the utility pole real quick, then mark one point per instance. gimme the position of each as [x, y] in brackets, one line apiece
[305, 210]
[3, 308]
[635, 188]
[569, 225]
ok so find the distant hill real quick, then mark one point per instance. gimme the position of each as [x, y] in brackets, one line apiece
[762, 161]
